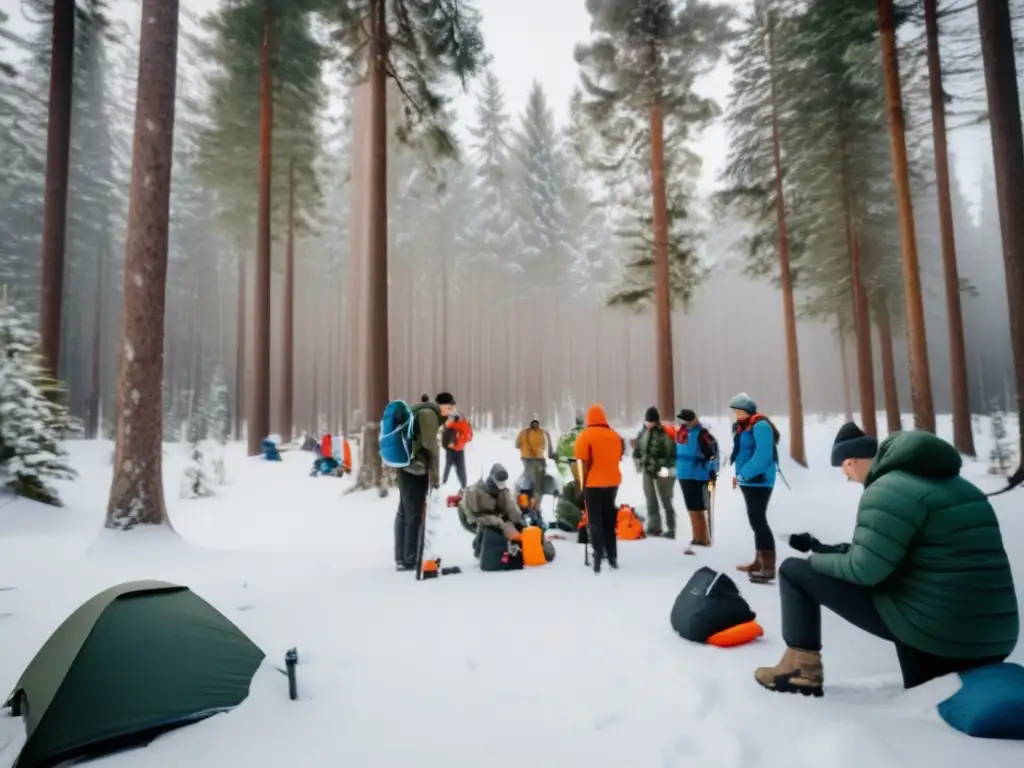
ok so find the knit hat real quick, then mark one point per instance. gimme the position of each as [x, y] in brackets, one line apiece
[852, 443]
[651, 415]
[444, 398]
[686, 415]
[424, 398]
[743, 402]
[497, 479]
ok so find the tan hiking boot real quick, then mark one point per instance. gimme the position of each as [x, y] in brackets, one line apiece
[699, 529]
[765, 572]
[751, 567]
[797, 672]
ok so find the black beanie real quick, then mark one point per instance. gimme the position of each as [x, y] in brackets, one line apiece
[652, 415]
[444, 398]
[852, 443]
[686, 415]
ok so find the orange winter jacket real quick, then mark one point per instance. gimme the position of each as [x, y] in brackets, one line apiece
[463, 433]
[601, 449]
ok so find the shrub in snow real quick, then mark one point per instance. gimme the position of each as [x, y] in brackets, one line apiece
[214, 409]
[220, 473]
[32, 420]
[195, 483]
[1000, 456]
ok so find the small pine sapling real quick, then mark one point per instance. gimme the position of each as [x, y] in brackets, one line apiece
[1000, 456]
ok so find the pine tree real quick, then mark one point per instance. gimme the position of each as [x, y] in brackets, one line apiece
[639, 74]
[32, 425]
[1000, 456]
[216, 413]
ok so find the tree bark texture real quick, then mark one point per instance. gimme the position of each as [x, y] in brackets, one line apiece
[917, 342]
[240, 344]
[55, 209]
[893, 418]
[844, 367]
[93, 427]
[796, 402]
[288, 342]
[963, 435]
[862, 326]
[662, 275]
[137, 491]
[259, 399]
[1008, 151]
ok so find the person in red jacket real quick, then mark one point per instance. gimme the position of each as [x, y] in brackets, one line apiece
[456, 435]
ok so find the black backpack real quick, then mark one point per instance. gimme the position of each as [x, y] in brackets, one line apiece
[708, 444]
[709, 603]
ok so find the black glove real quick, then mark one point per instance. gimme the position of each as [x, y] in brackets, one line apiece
[803, 542]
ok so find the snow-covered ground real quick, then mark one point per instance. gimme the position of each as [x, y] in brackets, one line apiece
[546, 667]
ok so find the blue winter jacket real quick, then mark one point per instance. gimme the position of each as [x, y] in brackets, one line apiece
[753, 455]
[690, 461]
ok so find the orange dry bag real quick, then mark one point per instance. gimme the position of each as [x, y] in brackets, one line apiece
[533, 546]
[346, 455]
[326, 448]
[627, 525]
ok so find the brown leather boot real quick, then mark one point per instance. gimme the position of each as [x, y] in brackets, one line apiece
[699, 528]
[752, 566]
[765, 572]
[797, 672]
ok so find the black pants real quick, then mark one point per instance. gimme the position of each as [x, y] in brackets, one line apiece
[757, 513]
[804, 591]
[412, 503]
[602, 514]
[695, 495]
[457, 459]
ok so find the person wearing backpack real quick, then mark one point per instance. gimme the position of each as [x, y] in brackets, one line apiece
[655, 459]
[754, 458]
[418, 472]
[456, 434]
[696, 466]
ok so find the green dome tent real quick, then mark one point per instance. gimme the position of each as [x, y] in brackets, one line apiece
[134, 661]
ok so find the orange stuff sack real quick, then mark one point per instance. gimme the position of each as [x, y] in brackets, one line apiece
[326, 448]
[533, 546]
[741, 634]
[628, 526]
[346, 455]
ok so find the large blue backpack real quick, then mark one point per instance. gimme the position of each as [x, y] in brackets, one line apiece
[397, 433]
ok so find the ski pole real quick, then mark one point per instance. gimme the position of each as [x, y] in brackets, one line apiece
[783, 477]
[711, 512]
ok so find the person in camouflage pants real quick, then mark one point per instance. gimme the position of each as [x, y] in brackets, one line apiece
[655, 459]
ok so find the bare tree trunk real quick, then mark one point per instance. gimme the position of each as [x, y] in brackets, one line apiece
[288, 342]
[259, 401]
[662, 275]
[240, 347]
[796, 400]
[963, 435]
[893, 419]
[862, 326]
[137, 490]
[917, 342]
[1008, 151]
[92, 429]
[55, 211]
[844, 367]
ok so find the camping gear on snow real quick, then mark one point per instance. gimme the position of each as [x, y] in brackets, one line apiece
[536, 549]
[270, 450]
[628, 525]
[710, 604]
[132, 662]
[495, 552]
[990, 703]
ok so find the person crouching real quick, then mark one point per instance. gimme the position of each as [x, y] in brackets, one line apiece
[489, 506]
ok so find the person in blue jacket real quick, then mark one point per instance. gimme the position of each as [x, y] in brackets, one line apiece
[696, 466]
[754, 459]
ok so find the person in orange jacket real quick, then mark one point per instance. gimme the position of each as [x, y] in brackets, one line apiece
[457, 433]
[601, 449]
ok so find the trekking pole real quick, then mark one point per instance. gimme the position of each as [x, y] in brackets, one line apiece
[420, 545]
[586, 546]
[711, 513]
[783, 477]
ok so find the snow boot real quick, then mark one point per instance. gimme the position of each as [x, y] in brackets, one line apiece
[797, 672]
[699, 529]
[752, 566]
[765, 572]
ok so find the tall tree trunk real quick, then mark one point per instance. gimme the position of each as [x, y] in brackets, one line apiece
[1008, 152]
[796, 400]
[893, 419]
[862, 327]
[442, 332]
[917, 342]
[55, 210]
[288, 342]
[963, 435]
[95, 385]
[844, 370]
[240, 339]
[662, 275]
[259, 400]
[137, 489]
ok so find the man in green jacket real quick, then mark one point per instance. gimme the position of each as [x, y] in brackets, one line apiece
[655, 459]
[926, 569]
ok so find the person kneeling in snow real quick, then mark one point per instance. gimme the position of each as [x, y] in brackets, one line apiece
[489, 505]
[926, 570]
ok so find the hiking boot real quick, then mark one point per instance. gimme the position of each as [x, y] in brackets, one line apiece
[669, 535]
[597, 565]
[765, 572]
[797, 672]
[751, 567]
[653, 533]
[699, 527]
[613, 563]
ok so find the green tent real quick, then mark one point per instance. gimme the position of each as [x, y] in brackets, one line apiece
[136, 660]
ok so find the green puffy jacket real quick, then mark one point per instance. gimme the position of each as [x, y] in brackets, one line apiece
[565, 451]
[928, 543]
[655, 451]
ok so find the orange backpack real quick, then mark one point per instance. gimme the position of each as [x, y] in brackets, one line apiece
[532, 544]
[628, 527]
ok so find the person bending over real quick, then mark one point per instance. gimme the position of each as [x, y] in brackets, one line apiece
[926, 569]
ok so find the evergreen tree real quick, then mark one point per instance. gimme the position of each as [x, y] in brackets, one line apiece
[215, 409]
[32, 424]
